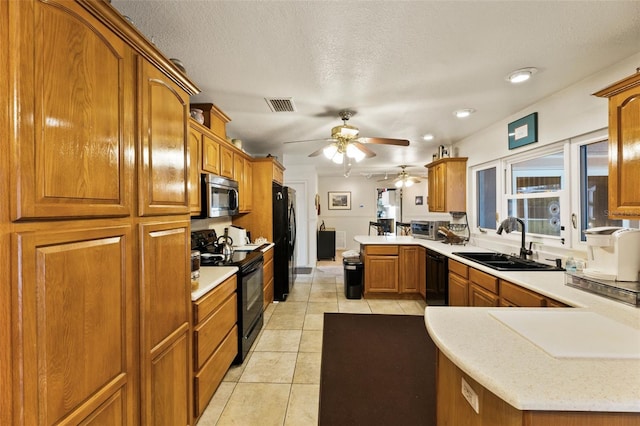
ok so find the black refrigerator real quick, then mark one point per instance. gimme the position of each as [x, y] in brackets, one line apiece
[284, 238]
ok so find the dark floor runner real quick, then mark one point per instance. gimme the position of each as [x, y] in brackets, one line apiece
[377, 370]
[303, 270]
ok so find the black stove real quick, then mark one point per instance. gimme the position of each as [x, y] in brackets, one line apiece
[238, 258]
[206, 242]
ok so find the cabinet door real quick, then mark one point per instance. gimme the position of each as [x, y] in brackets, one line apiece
[478, 296]
[410, 275]
[226, 161]
[440, 182]
[71, 86]
[247, 180]
[210, 155]
[74, 346]
[381, 274]
[195, 152]
[624, 160]
[431, 185]
[166, 361]
[458, 291]
[163, 172]
[238, 176]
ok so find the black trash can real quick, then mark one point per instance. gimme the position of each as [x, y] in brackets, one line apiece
[353, 277]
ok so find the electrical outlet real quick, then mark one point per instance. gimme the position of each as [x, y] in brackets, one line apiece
[471, 396]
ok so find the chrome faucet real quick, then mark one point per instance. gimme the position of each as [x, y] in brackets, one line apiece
[508, 225]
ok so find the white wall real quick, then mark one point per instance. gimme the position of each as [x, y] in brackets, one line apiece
[569, 113]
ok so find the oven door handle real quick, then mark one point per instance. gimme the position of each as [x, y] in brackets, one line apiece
[253, 268]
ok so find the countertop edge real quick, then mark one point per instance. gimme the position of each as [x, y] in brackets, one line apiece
[210, 278]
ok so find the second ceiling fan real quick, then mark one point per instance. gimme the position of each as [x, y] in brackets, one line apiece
[346, 144]
[404, 179]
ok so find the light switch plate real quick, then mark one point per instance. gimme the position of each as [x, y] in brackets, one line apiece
[471, 396]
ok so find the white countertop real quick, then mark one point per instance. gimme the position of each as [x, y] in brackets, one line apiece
[210, 278]
[512, 366]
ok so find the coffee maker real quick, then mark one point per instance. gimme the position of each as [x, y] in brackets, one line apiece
[613, 253]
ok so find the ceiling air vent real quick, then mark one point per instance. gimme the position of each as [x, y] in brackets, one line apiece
[281, 104]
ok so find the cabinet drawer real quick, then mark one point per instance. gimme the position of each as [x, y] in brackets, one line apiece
[268, 270]
[519, 296]
[206, 381]
[208, 335]
[207, 304]
[381, 250]
[268, 255]
[486, 281]
[458, 268]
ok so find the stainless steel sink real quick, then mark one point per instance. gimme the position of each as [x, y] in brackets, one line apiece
[505, 262]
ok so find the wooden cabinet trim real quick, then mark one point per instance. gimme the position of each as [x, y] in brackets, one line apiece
[381, 250]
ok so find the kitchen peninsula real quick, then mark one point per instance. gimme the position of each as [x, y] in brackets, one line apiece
[512, 380]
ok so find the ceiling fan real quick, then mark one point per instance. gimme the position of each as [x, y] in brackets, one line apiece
[346, 144]
[404, 179]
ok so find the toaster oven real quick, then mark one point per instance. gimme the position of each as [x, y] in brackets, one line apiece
[427, 229]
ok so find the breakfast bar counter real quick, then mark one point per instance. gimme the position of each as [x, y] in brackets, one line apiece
[584, 358]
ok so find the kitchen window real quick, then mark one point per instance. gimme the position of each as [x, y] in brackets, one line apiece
[486, 198]
[536, 191]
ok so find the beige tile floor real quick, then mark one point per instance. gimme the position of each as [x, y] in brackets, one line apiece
[279, 382]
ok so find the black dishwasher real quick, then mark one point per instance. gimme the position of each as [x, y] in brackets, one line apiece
[437, 279]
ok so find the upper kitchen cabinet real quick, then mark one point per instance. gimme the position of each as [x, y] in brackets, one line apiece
[447, 182]
[243, 174]
[195, 158]
[71, 126]
[624, 147]
[163, 170]
[214, 119]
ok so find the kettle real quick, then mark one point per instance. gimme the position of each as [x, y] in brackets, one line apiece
[227, 245]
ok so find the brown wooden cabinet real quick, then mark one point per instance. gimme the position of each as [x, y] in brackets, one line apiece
[210, 154]
[226, 161]
[381, 269]
[195, 159]
[514, 295]
[243, 174]
[95, 235]
[259, 220]
[267, 277]
[624, 139]
[75, 348]
[447, 182]
[215, 340]
[165, 300]
[163, 173]
[483, 289]
[412, 272]
[458, 283]
[58, 170]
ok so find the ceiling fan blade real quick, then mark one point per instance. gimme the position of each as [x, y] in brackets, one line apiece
[364, 149]
[313, 140]
[385, 141]
[317, 152]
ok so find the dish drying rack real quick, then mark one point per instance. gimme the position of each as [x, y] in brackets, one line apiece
[457, 232]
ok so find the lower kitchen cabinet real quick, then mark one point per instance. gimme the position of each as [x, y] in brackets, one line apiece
[394, 270]
[215, 340]
[412, 273]
[458, 283]
[454, 409]
[380, 269]
[165, 324]
[74, 341]
[471, 287]
[267, 277]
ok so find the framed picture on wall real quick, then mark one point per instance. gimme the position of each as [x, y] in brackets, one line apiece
[523, 131]
[419, 200]
[339, 200]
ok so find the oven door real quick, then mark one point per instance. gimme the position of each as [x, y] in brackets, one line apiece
[251, 302]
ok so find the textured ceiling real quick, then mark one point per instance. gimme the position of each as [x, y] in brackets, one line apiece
[404, 66]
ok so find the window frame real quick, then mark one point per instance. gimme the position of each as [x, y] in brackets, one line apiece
[473, 186]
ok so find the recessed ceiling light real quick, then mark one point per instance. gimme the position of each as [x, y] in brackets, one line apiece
[523, 74]
[428, 137]
[463, 113]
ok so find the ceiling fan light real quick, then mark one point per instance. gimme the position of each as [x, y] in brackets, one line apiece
[408, 183]
[355, 153]
[330, 150]
[345, 131]
[399, 184]
[338, 158]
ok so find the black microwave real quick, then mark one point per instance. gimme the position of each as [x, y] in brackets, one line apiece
[220, 196]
